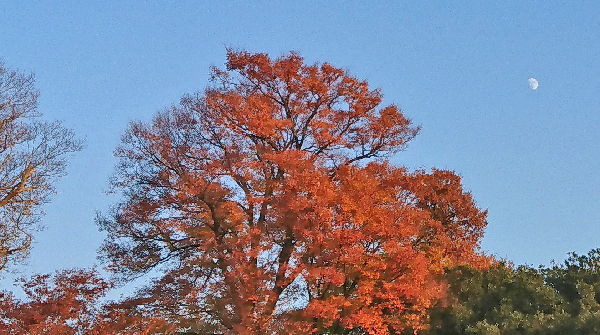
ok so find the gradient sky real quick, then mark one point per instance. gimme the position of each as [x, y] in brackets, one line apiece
[460, 70]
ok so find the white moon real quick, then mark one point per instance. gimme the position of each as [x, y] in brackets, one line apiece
[533, 83]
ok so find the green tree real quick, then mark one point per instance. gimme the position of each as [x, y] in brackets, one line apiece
[561, 299]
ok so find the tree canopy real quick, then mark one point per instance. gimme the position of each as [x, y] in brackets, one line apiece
[269, 204]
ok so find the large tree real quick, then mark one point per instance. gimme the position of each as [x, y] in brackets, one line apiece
[271, 206]
[32, 156]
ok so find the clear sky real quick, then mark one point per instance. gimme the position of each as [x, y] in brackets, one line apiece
[460, 70]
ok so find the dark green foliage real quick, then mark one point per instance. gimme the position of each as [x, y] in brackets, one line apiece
[561, 299]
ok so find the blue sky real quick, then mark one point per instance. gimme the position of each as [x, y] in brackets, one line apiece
[459, 69]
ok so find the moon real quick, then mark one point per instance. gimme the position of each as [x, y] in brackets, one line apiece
[533, 83]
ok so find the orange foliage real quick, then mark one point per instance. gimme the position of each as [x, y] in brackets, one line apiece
[272, 208]
[69, 303]
[59, 305]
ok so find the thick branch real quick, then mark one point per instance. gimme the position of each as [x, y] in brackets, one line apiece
[20, 187]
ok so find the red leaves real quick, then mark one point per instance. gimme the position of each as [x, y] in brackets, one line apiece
[458, 223]
[60, 304]
[265, 190]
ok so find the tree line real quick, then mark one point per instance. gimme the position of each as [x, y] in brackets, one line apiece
[269, 205]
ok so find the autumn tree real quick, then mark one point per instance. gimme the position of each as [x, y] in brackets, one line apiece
[269, 205]
[32, 156]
